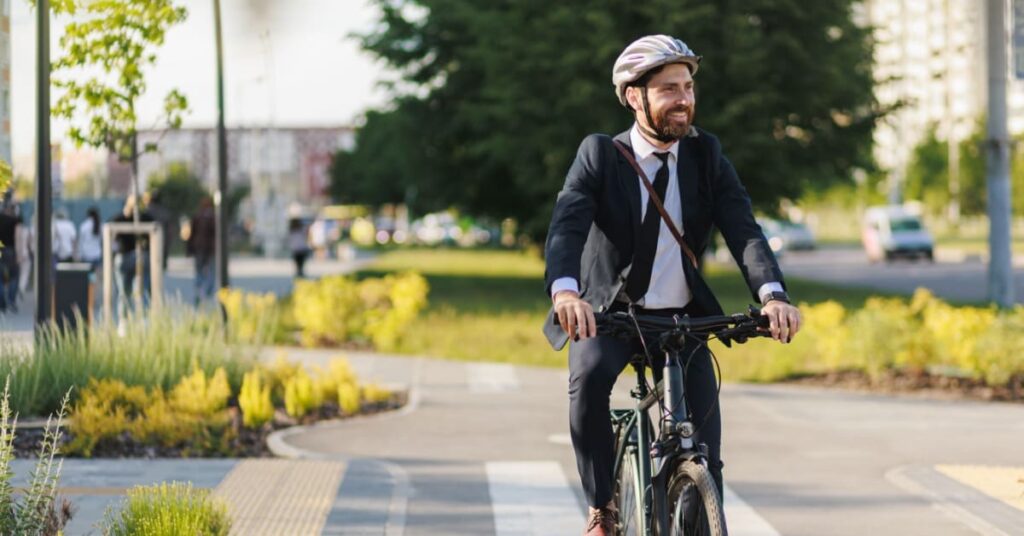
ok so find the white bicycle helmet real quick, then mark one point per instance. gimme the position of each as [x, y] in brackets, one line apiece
[645, 54]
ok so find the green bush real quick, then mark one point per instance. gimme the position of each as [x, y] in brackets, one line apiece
[168, 510]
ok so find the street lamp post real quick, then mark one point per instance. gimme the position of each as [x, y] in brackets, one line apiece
[44, 201]
[997, 148]
[222, 162]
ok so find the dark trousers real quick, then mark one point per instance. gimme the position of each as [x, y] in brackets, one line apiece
[594, 365]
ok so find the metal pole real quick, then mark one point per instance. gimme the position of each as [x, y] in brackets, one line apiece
[222, 162]
[44, 188]
[997, 149]
[952, 143]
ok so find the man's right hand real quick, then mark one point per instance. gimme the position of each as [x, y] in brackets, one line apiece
[573, 312]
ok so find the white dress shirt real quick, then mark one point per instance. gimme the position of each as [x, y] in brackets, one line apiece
[668, 288]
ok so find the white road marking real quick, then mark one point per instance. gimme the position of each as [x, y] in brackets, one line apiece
[491, 378]
[532, 499]
[560, 439]
[742, 520]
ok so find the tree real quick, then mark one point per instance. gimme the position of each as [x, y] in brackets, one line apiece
[495, 96]
[104, 51]
[179, 190]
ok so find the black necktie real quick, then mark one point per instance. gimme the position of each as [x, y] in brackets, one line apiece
[643, 253]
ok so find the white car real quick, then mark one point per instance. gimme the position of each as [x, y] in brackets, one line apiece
[892, 231]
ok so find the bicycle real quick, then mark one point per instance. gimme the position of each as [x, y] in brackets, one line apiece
[663, 485]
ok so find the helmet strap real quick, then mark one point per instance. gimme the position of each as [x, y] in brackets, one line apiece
[653, 131]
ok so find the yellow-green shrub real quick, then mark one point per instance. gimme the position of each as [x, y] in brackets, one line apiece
[254, 400]
[375, 394]
[301, 395]
[338, 372]
[104, 411]
[348, 398]
[924, 334]
[198, 395]
[253, 318]
[338, 309]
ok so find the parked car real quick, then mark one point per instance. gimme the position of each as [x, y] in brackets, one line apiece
[786, 235]
[893, 231]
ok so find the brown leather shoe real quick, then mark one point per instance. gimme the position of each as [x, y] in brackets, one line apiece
[602, 522]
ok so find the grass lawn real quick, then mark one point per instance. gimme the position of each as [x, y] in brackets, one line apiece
[490, 305]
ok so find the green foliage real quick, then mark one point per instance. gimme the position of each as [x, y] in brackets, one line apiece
[105, 48]
[5, 175]
[254, 400]
[157, 350]
[180, 189]
[36, 511]
[508, 90]
[168, 510]
[928, 173]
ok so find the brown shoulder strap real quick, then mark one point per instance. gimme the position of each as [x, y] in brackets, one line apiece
[657, 201]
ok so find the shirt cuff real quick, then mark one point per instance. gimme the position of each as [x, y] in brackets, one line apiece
[766, 289]
[564, 283]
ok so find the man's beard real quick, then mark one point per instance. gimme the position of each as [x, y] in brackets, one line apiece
[671, 128]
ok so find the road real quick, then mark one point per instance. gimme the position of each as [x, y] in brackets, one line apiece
[483, 450]
[953, 277]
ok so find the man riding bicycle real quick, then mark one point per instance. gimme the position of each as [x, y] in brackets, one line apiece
[610, 248]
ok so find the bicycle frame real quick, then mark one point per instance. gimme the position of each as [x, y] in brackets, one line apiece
[652, 462]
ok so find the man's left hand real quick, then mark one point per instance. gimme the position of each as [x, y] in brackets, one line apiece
[783, 318]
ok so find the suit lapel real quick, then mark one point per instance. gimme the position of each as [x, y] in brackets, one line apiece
[689, 197]
[631, 183]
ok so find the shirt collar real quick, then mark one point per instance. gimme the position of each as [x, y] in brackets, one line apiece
[643, 148]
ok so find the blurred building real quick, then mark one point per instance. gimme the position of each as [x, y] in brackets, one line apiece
[281, 166]
[930, 55]
[5, 80]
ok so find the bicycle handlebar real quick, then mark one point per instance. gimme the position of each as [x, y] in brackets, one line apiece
[737, 327]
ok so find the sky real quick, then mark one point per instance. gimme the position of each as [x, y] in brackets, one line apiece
[287, 63]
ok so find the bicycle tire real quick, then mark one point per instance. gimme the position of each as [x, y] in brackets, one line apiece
[627, 492]
[706, 517]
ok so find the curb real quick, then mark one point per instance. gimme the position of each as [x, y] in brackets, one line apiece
[277, 441]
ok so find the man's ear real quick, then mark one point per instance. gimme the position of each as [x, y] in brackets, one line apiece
[633, 98]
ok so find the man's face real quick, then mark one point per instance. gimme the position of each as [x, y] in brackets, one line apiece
[672, 103]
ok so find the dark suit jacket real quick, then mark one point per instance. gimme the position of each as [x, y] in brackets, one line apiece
[596, 222]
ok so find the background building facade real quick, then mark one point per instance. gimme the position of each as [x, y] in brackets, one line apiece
[930, 56]
[283, 167]
[5, 80]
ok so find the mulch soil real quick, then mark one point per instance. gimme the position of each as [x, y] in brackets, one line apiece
[920, 384]
[245, 443]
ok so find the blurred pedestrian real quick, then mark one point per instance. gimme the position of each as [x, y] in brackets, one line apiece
[90, 249]
[298, 244]
[166, 218]
[90, 241]
[129, 247]
[10, 224]
[201, 245]
[64, 235]
[24, 242]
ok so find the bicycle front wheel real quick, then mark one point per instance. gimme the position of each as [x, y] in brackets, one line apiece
[694, 506]
[628, 491]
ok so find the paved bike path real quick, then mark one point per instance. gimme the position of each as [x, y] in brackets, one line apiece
[483, 450]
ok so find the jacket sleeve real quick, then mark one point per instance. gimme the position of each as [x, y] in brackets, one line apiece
[573, 213]
[734, 217]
